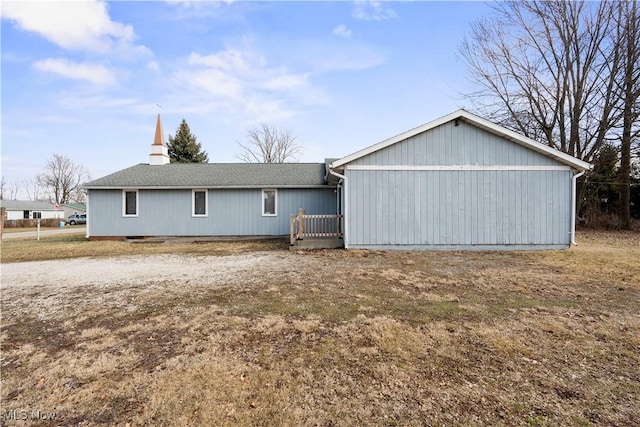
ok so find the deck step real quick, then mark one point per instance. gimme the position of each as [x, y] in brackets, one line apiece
[318, 243]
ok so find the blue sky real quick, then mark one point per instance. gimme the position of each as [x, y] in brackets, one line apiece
[84, 79]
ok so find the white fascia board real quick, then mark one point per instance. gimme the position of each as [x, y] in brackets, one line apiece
[524, 141]
[395, 139]
[474, 120]
[191, 187]
[456, 168]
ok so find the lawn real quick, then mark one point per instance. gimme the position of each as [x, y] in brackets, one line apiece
[23, 229]
[249, 333]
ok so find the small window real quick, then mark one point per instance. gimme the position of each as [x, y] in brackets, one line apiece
[199, 203]
[269, 202]
[130, 203]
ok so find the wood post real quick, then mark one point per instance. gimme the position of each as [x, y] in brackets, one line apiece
[300, 223]
[3, 214]
[291, 230]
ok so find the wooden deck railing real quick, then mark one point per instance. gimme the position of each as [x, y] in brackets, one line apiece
[302, 225]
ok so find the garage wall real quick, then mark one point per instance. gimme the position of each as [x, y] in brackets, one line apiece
[502, 195]
[459, 208]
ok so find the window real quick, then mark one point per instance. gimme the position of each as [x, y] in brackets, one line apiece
[199, 203]
[269, 202]
[130, 203]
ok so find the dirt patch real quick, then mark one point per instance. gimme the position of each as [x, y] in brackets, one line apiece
[245, 336]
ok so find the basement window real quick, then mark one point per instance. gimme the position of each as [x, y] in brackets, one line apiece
[199, 203]
[269, 202]
[130, 203]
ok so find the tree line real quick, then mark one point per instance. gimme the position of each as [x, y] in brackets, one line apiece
[567, 74]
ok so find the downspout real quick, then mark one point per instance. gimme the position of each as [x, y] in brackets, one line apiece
[87, 212]
[573, 206]
[346, 204]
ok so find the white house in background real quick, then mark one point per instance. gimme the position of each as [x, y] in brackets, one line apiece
[24, 209]
[458, 182]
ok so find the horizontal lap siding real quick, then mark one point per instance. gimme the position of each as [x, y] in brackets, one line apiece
[459, 207]
[230, 212]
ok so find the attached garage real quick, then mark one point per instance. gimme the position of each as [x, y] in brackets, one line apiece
[459, 182]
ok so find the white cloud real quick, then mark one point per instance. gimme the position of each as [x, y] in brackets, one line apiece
[199, 9]
[196, 3]
[372, 11]
[230, 60]
[339, 56]
[74, 25]
[94, 73]
[212, 81]
[14, 57]
[285, 81]
[342, 31]
[244, 82]
[153, 66]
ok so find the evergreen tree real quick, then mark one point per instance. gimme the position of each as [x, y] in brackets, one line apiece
[185, 148]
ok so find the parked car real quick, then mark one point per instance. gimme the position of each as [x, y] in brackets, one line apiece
[77, 219]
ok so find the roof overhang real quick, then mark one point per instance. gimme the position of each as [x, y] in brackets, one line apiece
[479, 122]
[210, 187]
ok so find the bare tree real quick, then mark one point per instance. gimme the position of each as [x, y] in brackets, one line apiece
[548, 70]
[9, 190]
[628, 42]
[63, 179]
[34, 189]
[268, 144]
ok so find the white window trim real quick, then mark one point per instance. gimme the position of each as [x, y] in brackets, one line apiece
[275, 201]
[193, 203]
[124, 202]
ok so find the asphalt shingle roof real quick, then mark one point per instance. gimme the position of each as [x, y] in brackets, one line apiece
[26, 205]
[209, 175]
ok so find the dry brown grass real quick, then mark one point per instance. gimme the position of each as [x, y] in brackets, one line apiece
[76, 245]
[338, 338]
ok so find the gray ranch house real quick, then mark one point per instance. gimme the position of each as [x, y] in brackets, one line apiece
[458, 182]
[205, 199]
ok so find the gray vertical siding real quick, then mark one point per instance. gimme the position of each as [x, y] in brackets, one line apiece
[454, 145]
[458, 209]
[233, 212]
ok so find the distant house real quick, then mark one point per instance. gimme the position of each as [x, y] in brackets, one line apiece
[73, 208]
[24, 209]
[459, 182]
